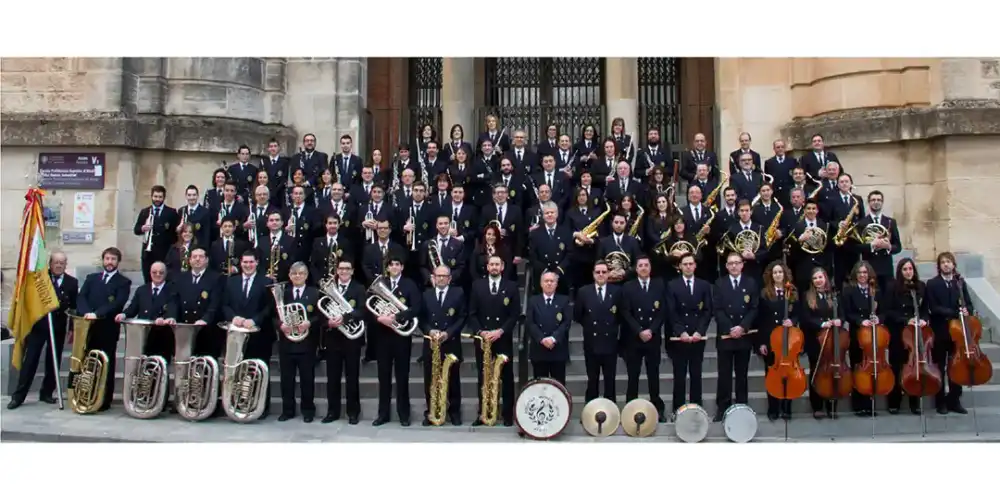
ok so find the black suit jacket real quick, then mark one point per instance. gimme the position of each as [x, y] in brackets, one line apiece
[599, 318]
[448, 317]
[200, 220]
[881, 259]
[218, 257]
[643, 311]
[452, 255]
[164, 230]
[734, 160]
[258, 305]
[355, 295]
[811, 163]
[105, 300]
[554, 321]
[491, 312]
[689, 312]
[373, 262]
[942, 301]
[351, 174]
[310, 297]
[144, 306]
[689, 164]
[629, 245]
[199, 301]
[736, 308]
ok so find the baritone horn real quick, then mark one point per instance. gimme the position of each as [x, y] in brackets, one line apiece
[244, 381]
[492, 381]
[291, 315]
[196, 379]
[333, 304]
[88, 370]
[382, 302]
[146, 378]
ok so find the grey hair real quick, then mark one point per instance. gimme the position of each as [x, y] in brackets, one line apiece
[299, 266]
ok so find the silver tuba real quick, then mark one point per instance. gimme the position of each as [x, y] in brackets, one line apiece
[146, 378]
[291, 315]
[333, 304]
[244, 381]
[196, 379]
[382, 302]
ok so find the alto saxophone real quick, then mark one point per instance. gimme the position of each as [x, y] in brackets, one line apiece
[440, 374]
[492, 381]
[146, 379]
[244, 381]
[274, 258]
[772, 229]
[88, 371]
[196, 379]
[847, 226]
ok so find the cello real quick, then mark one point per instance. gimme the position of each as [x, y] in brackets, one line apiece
[968, 365]
[786, 379]
[920, 376]
[873, 376]
[832, 378]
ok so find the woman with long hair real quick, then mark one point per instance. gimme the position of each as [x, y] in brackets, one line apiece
[491, 244]
[903, 311]
[671, 261]
[861, 293]
[177, 258]
[456, 142]
[578, 217]
[777, 289]
[816, 314]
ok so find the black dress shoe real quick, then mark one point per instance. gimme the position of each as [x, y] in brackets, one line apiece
[772, 416]
[380, 421]
[48, 399]
[285, 416]
[786, 415]
[508, 422]
[404, 421]
[14, 404]
[477, 422]
[717, 418]
[307, 418]
[820, 415]
[330, 417]
[942, 410]
[426, 422]
[664, 417]
[915, 411]
[957, 408]
[352, 420]
[456, 420]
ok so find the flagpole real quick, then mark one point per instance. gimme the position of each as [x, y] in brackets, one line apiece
[55, 361]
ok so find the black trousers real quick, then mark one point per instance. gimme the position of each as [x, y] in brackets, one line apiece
[939, 353]
[550, 369]
[687, 360]
[454, 387]
[506, 381]
[210, 341]
[635, 358]
[36, 346]
[160, 342]
[344, 361]
[598, 364]
[393, 360]
[897, 358]
[730, 361]
[302, 363]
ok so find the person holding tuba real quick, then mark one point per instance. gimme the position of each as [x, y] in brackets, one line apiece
[443, 250]
[878, 236]
[596, 309]
[393, 347]
[102, 298]
[157, 224]
[343, 354]
[296, 315]
[276, 249]
[442, 318]
[548, 320]
[36, 344]
[494, 307]
[199, 295]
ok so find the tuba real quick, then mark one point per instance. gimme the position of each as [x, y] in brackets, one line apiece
[333, 304]
[434, 254]
[492, 372]
[440, 374]
[88, 371]
[196, 379]
[813, 240]
[381, 301]
[146, 377]
[592, 228]
[291, 315]
[244, 381]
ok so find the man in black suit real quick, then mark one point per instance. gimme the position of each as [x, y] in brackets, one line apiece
[699, 154]
[277, 167]
[343, 354]
[157, 224]
[645, 313]
[689, 309]
[780, 167]
[734, 157]
[195, 215]
[846, 209]
[102, 297]
[255, 227]
[225, 252]
[298, 356]
[361, 192]
[818, 158]
[562, 187]
[449, 250]
[947, 298]
[623, 184]
[312, 161]
[735, 304]
[345, 165]
[511, 219]
[248, 302]
[37, 341]
[494, 307]
[753, 260]
[276, 250]
[242, 173]
[232, 209]
[596, 309]
[393, 348]
[300, 222]
[549, 317]
[879, 252]
[329, 250]
[199, 295]
[413, 223]
[746, 181]
[522, 158]
[442, 317]
[803, 260]
[618, 241]
[655, 153]
[550, 246]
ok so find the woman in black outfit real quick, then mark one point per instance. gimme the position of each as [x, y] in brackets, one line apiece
[859, 291]
[901, 312]
[776, 291]
[490, 242]
[816, 313]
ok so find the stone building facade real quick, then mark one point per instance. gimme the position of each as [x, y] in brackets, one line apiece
[924, 131]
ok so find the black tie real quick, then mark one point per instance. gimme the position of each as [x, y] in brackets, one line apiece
[246, 287]
[690, 287]
[156, 291]
[697, 213]
[520, 155]
[156, 212]
[548, 302]
[298, 294]
[645, 286]
[456, 215]
[500, 213]
[735, 284]
[195, 277]
[600, 293]
[495, 288]
[107, 277]
[343, 288]
[441, 297]
[552, 233]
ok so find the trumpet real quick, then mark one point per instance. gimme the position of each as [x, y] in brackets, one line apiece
[591, 230]
[196, 379]
[88, 370]
[333, 304]
[148, 238]
[146, 378]
[291, 315]
[411, 238]
[382, 302]
[244, 381]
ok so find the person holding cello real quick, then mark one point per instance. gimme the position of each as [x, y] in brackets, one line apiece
[862, 299]
[944, 292]
[826, 345]
[778, 313]
[907, 308]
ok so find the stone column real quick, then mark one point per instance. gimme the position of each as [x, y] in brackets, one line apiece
[458, 96]
[310, 101]
[350, 101]
[622, 96]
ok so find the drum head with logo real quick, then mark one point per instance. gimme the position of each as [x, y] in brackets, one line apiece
[543, 409]
[740, 423]
[600, 417]
[639, 418]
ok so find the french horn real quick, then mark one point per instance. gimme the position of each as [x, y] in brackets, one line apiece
[872, 232]
[813, 240]
[382, 302]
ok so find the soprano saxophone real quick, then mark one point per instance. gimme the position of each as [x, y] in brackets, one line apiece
[492, 381]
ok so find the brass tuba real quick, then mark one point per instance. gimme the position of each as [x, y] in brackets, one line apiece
[146, 378]
[592, 229]
[291, 315]
[333, 304]
[381, 301]
[244, 381]
[492, 372]
[196, 379]
[440, 374]
[88, 371]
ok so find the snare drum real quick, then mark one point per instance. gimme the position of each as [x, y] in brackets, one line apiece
[542, 410]
[740, 423]
[691, 424]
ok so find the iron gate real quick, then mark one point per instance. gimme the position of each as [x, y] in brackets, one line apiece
[531, 93]
[425, 79]
[659, 98]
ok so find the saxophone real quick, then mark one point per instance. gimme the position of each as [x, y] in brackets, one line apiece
[592, 229]
[244, 381]
[706, 228]
[772, 230]
[723, 182]
[440, 374]
[634, 230]
[492, 381]
[146, 377]
[88, 371]
[196, 379]
[847, 226]
[272, 262]
[185, 258]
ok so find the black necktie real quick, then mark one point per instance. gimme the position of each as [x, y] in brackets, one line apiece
[690, 287]
[645, 286]
[697, 213]
[246, 287]
[600, 293]
[495, 288]
[548, 302]
[441, 297]
[298, 294]
[156, 291]
[195, 278]
[520, 155]
[735, 284]
[107, 277]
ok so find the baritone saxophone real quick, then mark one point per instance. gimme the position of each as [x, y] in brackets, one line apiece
[440, 375]
[492, 381]
[88, 370]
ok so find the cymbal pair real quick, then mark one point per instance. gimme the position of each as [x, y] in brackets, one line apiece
[601, 418]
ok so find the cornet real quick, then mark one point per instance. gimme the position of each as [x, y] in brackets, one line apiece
[291, 315]
[333, 304]
[149, 234]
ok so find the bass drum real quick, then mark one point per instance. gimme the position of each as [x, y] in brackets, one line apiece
[543, 409]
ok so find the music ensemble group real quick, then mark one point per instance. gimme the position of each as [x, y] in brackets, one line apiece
[345, 260]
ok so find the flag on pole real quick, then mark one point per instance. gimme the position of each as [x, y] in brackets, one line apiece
[34, 295]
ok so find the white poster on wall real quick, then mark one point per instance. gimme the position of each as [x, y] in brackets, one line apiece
[83, 211]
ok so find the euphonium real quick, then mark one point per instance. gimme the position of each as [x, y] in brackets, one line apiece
[440, 374]
[492, 381]
[592, 228]
[434, 254]
[333, 304]
[88, 371]
[291, 315]
[146, 378]
[244, 381]
[196, 379]
[381, 301]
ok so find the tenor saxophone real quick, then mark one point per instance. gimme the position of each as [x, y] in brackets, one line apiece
[492, 381]
[196, 379]
[440, 374]
[244, 381]
[88, 371]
